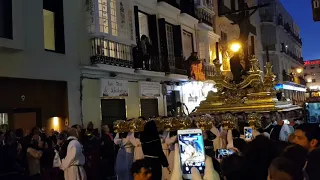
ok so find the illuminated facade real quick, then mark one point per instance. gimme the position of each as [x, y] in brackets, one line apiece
[312, 74]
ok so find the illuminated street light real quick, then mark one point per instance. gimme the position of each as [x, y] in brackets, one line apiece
[299, 70]
[235, 47]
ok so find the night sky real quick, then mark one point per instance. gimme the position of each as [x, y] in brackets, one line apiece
[301, 12]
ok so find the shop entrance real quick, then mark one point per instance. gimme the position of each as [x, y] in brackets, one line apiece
[27, 103]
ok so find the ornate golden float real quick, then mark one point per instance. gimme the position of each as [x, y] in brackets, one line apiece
[254, 94]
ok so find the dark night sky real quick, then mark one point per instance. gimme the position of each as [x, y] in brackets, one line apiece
[301, 12]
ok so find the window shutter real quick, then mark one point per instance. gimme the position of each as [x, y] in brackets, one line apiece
[136, 23]
[153, 33]
[112, 110]
[149, 108]
[233, 5]
[177, 41]
[163, 44]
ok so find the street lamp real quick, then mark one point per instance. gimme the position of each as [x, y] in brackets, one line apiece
[235, 47]
[299, 70]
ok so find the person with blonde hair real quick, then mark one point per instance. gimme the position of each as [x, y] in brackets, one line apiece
[73, 162]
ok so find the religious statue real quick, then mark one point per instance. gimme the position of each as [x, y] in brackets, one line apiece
[236, 68]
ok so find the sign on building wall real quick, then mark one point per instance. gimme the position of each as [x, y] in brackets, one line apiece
[149, 89]
[316, 10]
[113, 88]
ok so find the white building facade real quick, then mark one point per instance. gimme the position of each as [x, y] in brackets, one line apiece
[281, 36]
[118, 32]
[39, 66]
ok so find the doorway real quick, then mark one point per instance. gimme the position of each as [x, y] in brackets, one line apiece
[25, 119]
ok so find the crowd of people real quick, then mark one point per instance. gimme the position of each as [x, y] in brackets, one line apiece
[284, 148]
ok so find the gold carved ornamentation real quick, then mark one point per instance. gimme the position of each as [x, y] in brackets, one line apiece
[254, 120]
[253, 94]
[229, 121]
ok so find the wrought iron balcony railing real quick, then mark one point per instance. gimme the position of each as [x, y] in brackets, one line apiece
[149, 62]
[289, 30]
[204, 17]
[108, 52]
[208, 70]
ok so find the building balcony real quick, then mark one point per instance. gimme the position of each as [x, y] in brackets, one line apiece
[204, 16]
[171, 2]
[204, 4]
[176, 65]
[293, 78]
[208, 70]
[108, 52]
[147, 62]
[289, 30]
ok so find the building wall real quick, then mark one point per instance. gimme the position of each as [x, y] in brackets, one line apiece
[312, 77]
[276, 37]
[35, 63]
[91, 102]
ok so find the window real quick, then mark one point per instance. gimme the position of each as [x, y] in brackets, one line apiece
[6, 19]
[143, 24]
[113, 12]
[202, 53]
[103, 16]
[187, 43]
[48, 27]
[3, 118]
[170, 45]
[114, 18]
[53, 26]
[313, 80]
[311, 67]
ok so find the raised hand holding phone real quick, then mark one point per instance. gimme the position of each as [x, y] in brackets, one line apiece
[209, 172]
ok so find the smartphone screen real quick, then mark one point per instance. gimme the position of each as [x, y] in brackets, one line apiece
[220, 153]
[248, 133]
[286, 121]
[192, 152]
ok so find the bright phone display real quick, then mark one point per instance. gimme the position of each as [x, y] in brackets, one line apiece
[192, 152]
[248, 133]
[220, 153]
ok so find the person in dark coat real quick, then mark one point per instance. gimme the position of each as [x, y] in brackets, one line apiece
[107, 153]
[152, 149]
